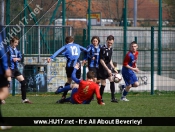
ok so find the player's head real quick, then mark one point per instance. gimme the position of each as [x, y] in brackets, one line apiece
[110, 40]
[115, 64]
[133, 46]
[90, 75]
[95, 40]
[14, 41]
[69, 39]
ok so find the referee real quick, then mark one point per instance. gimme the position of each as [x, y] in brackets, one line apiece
[106, 67]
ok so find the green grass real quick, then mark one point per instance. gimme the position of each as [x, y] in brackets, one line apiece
[140, 105]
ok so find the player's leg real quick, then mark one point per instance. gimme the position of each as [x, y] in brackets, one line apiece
[21, 79]
[9, 80]
[102, 87]
[66, 88]
[130, 81]
[4, 92]
[72, 100]
[78, 75]
[112, 88]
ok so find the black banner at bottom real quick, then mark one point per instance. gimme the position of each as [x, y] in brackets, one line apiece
[90, 121]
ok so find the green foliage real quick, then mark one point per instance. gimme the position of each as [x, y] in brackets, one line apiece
[140, 105]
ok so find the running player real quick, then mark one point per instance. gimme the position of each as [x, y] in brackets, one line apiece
[72, 52]
[128, 71]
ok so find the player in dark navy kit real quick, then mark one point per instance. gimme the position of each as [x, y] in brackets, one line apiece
[128, 71]
[14, 56]
[106, 67]
[72, 52]
[82, 91]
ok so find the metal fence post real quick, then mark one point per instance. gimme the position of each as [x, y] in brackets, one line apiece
[84, 44]
[152, 60]
[160, 39]
[125, 28]
[13, 86]
[39, 44]
[135, 39]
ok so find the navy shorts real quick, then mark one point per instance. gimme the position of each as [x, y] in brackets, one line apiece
[69, 71]
[15, 73]
[4, 82]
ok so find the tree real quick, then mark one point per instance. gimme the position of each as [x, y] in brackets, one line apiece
[169, 5]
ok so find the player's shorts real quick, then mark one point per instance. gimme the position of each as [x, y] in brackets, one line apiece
[129, 77]
[102, 72]
[3, 81]
[15, 73]
[95, 70]
[69, 71]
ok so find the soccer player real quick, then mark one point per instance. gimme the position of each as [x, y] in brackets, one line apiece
[15, 57]
[82, 93]
[93, 51]
[128, 71]
[72, 52]
[5, 72]
[106, 67]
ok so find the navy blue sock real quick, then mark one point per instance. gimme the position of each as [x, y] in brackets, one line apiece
[65, 92]
[124, 93]
[66, 88]
[102, 90]
[67, 99]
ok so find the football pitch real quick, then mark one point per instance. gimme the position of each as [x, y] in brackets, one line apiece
[140, 105]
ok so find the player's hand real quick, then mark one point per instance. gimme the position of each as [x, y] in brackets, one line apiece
[93, 58]
[8, 73]
[109, 72]
[102, 103]
[15, 59]
[48, 60]
[84, 62]
[77, 66]
[115, 70]
[136, 70]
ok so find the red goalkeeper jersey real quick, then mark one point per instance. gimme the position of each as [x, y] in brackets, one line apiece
[85, 92]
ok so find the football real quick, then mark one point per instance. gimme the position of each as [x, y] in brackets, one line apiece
[117, 78]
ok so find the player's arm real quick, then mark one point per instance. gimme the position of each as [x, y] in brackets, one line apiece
[76, 80]
[83, 49]
[9, 58]
[86, 54]
[103, 63]
[61, 50]
[19, 56]
[111, 63]
[4, 63]
[98, 96]
[126, 64]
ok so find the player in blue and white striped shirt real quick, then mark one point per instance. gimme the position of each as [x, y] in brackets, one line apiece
[93, 56]
[72, 52]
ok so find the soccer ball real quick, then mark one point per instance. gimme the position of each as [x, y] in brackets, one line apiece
[117, 78]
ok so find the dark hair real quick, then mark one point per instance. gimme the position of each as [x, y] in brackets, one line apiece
[133, 42]
[90, 75]
[115, 63]
[110, 37]
[13, 39]
[95, 37]
[69, 39]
